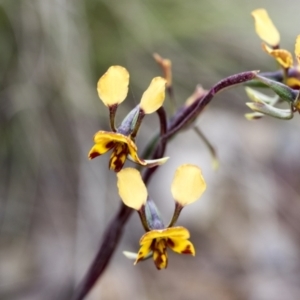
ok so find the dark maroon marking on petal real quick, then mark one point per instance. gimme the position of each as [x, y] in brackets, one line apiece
[170, 243]
[110, 144]
[119, 163]
[139, 259]
[187, 250]
[152, 246]
[158, 261]
[93, 155]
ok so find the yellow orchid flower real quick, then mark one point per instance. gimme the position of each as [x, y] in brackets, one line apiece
[188, 185]
[157, 241]
[112, 89]
[267, 31]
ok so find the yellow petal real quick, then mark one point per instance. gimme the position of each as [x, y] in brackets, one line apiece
[265, 28]
[173, 232]
[283, 57]
[132, 189]
[143, 252]
[102, 136]
[101, 148]
[293, 82]
[104, 141]
[112, 87]
[154, 96]
[297, 49]
[181, 246]
[188, 184]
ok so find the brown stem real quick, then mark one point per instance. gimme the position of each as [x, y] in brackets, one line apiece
[109, 242]
[193, 111]
[112, 114]
[177, 210]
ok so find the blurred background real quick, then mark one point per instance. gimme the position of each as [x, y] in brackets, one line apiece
[55, 203]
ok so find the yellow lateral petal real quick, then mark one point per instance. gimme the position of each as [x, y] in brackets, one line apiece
[143, 252]
[265, 28]
[112, 87]
[132, 189]
[181, 246]
[100, 149]
[154, 96]
[176, 232]
[188, 184]
[283, 57]
[297, 49]
[293, 82]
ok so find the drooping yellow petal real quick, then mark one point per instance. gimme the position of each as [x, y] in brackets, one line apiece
[154, 96]
[118, 157]
[188, 184]
[101, 148]
[181, 246]
[265, 28]
[293, 82]
[143, 252]
[132, 189]
[112, 87]
[283, 57]
[173, 232]
[297, 49]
